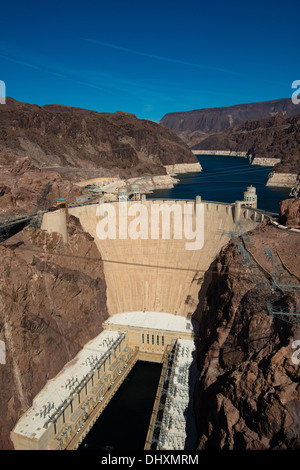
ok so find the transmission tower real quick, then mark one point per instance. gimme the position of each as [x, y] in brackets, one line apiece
[269, 282]
[278, 273]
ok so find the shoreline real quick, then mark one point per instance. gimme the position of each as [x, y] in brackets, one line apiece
[228, 153]
[149, 183]
[279, 180]
[282, 180]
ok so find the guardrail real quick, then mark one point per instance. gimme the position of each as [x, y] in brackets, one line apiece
[7, 222]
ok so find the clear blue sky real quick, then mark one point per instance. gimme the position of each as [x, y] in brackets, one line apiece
[149, 57]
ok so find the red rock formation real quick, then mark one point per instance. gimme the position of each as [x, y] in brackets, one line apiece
[289, 212]
[248, 395]
[25, 189]
[99, 144]
[53, 301]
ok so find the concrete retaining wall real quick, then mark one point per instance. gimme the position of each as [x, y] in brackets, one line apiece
[221, 152]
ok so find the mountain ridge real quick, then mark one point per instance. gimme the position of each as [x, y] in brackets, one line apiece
[276, 137]
[61, 136]
[195, 125]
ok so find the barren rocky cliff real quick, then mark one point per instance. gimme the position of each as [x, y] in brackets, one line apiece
[248, 391]
[53, 301]
[275, 137]
[194, 126]
[66, 138]
[44, 150]
[26, 189]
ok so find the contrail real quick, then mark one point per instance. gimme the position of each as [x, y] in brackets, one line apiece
[21, 62]
[152, 56]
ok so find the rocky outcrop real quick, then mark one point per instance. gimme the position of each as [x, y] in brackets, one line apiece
[282, 180]
[45, 150]
[84, 144]
[289, 212]
[183, 168]
[295, 191]
[248, 395]
[277, 137]
[53, 301]
[194, 126]
[265, 161]
[26, 189]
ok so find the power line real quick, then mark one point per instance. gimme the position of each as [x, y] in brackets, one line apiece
[130, 263]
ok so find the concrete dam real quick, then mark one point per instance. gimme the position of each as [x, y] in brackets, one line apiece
[155, 287]
[158, 275]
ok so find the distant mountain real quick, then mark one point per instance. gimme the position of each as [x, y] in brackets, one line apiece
[194, 126]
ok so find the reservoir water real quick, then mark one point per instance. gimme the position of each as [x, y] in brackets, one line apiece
[225, 179]
[124, 422]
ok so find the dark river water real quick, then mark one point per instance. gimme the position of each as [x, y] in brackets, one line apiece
[225, 179]
[124, 422]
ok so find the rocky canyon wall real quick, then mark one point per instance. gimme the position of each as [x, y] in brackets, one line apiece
[53, 301]
[247, 395]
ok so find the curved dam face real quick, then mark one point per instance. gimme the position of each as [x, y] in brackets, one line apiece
[159, 274]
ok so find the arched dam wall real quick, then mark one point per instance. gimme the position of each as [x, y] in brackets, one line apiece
[158, 275]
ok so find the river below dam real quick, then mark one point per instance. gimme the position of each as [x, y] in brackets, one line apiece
[124, 423]
[224, 179]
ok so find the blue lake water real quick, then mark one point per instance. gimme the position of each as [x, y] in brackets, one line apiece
[225, 179]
